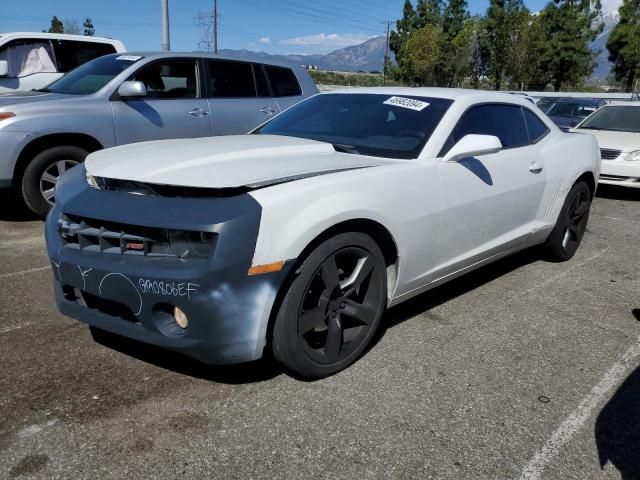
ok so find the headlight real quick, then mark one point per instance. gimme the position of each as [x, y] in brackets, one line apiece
[191, 244]
[633, 156]
[91, 180]
[6, 115]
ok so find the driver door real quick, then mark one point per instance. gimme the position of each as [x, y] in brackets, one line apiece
[173, 108]
[490, 202]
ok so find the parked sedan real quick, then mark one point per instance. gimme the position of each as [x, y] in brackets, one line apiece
[568, 112]
[125, 98]
[617, 129]
[295, 238]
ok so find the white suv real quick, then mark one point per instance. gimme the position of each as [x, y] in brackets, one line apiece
[33, 60]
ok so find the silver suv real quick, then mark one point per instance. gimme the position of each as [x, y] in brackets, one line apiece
[125, 98]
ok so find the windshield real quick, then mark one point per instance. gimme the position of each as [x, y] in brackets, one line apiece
[369, 124]
[615, 118]
[92, 76]
[569, 109]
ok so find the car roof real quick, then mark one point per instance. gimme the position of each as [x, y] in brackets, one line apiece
[4, 36]
[623, 104]
[477, 96]
[158, 55]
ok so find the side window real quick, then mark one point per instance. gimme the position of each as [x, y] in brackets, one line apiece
[503, 121]
[71, 54]
[169, 79]
[262, 86]
[230, 79]
[283, 81]
[537, 129]
[27, 57]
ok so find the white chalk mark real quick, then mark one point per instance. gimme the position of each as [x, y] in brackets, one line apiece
[575, 421]
[84, 274]
[127, 279]
[24, 272]
[33, 429]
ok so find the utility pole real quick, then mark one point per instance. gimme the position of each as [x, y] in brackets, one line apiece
[215, 26]
[164, 4]
[386, 56]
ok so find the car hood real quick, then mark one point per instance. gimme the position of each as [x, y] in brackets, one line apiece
[224, 162]
[19, 98]
[625, 141]
[565, 122]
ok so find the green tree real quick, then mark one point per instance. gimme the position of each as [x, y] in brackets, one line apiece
[421, 56]
[89, 31]
[568, 29]
[404, 27]
[523, 67]
[500, 23]
[56, 26]
[454, 19]
[429, 12]
[624, 44]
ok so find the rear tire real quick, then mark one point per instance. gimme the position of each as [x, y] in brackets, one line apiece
[566, 236]
[43, 172]
[333, 307]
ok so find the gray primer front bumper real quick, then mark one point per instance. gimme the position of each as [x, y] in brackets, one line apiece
[228, 310]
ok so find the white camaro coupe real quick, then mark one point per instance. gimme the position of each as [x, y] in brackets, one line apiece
[617, 129]
[294, 239]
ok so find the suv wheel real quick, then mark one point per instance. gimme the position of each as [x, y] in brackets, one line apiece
[42, 175]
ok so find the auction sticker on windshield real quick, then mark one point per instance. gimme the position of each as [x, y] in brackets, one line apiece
[404, 102]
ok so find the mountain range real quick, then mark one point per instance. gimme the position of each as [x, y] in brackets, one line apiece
[369, 56]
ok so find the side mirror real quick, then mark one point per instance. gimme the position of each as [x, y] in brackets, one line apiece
[132, 89]
[4, 68]
[473, 146]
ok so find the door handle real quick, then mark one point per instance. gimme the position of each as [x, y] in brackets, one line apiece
[535, 168]
[198, 112]
[268, 110]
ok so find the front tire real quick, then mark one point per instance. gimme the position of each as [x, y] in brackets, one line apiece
[332, 308]
[42, 174]
[566, 236]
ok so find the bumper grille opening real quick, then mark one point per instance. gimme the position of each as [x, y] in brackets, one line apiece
[618, 178]
[91, 235]
[609, 153]
[108, 307]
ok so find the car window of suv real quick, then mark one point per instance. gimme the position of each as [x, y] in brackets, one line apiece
[283, 81]
[503, 121]
[229, 79]
[536, 127]
[70, 54]
[262, 86]
[26, 57]
[169, 79]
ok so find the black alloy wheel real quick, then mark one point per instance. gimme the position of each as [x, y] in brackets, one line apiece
[333, 307]
[572, 223]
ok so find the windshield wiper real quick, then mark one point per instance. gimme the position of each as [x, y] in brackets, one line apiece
[45, 90]
[344, 148]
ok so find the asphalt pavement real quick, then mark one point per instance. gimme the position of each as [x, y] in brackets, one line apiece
[524, 369]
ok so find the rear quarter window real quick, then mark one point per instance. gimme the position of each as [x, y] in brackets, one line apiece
[536, 127]
[283, 81]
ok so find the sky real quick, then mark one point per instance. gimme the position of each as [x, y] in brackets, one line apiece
[272, 26]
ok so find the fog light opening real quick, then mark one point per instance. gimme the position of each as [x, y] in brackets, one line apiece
[181, 318]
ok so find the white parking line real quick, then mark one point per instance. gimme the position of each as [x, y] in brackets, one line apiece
[575, 421]
[24, 272]
[564, 273]
[626, 220]
[16, 327]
